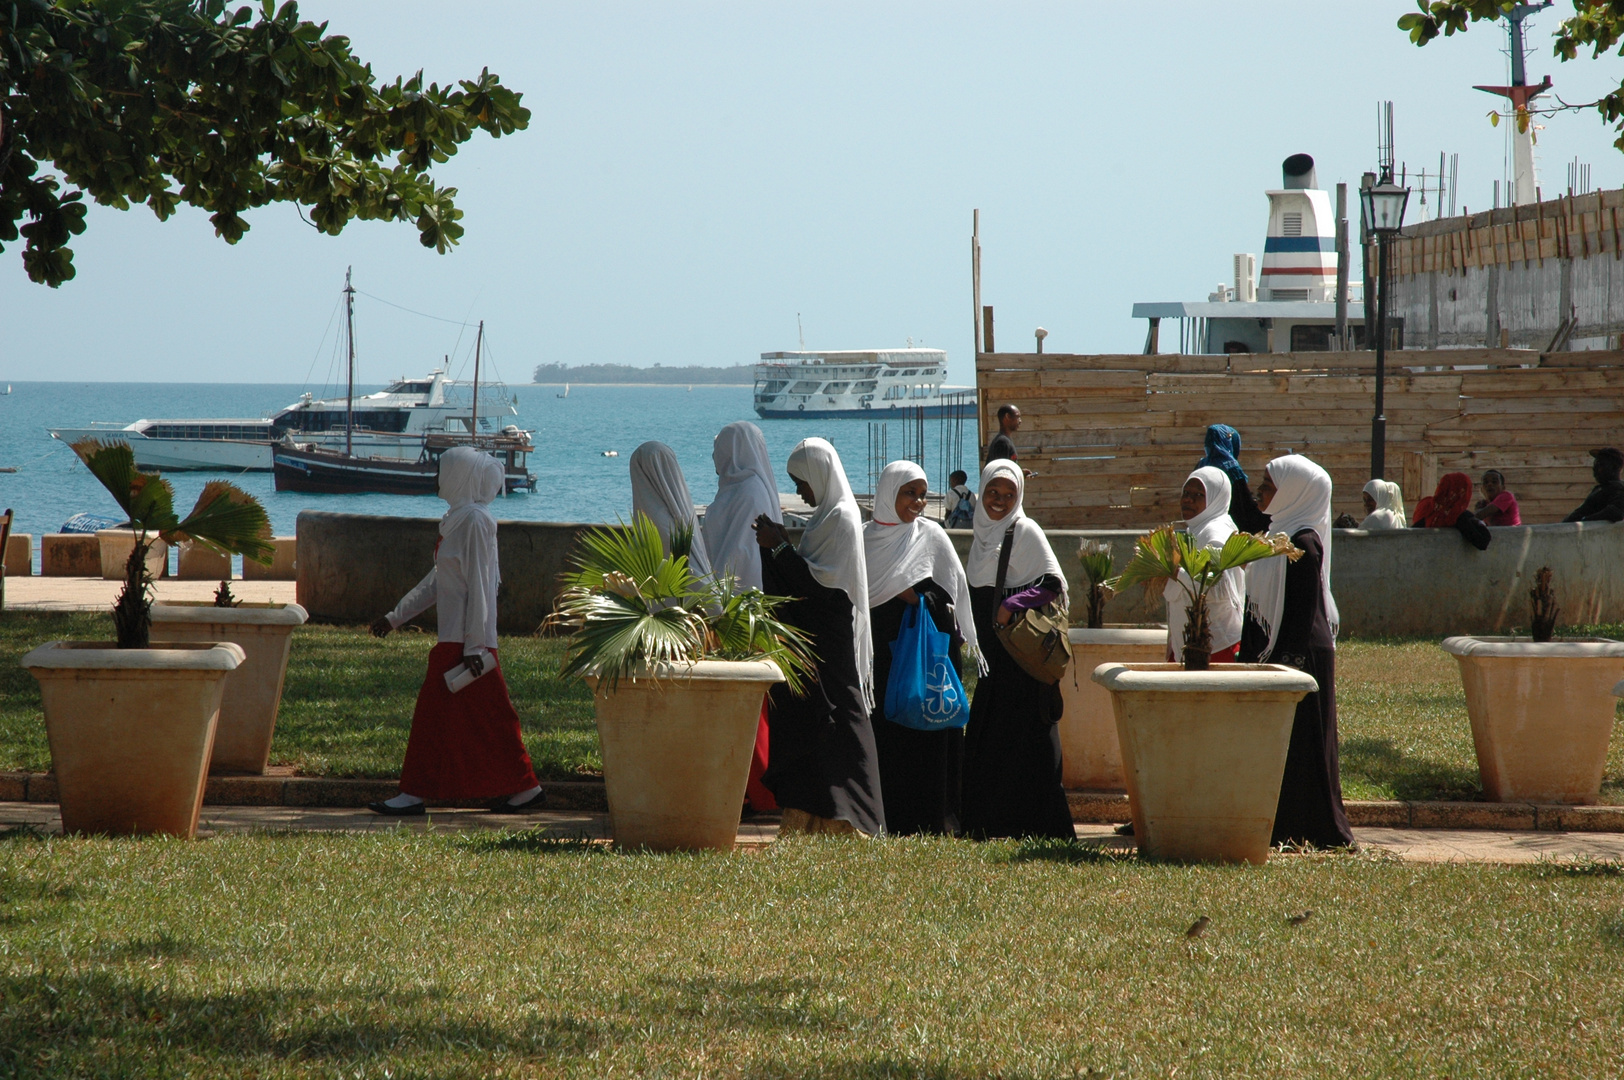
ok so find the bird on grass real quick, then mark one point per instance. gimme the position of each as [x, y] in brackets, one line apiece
[1197, 928]
[1300, 918]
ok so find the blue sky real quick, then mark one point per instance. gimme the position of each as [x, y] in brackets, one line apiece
[695, 175]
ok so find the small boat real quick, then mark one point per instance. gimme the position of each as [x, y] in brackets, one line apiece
[566, 392]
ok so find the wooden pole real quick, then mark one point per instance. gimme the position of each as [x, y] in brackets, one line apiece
[1342, 267]
[349, 394]
[473, 417]
[975, 276]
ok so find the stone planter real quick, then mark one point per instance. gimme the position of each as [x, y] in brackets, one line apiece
[1541, 713]
[116, 545]
[676, 752]
[1090, 755]
[131, 730]
[1203, 753]
[242, 740]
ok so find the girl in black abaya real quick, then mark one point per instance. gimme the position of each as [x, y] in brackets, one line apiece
[1291, 619]
[822, 769]
[911, 562]
[1012, 743]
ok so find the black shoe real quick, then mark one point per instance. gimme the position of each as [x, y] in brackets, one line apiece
[1125, 829]
[538, 801]
[414, 810]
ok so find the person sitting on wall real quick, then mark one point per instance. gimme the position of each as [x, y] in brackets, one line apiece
[1497, 506]
[1384, 506]
[1606, 500]
[1446, 508]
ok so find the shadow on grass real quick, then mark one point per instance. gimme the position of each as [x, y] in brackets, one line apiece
[536, 841]
[1381, 762]
[102, 1024]
[1048, 849]
[887, 1067]
[1580, 867]
[771, 1003]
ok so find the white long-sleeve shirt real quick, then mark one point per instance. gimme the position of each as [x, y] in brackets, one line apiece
[465, 615]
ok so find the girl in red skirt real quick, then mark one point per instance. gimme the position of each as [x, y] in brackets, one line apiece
[463, 745]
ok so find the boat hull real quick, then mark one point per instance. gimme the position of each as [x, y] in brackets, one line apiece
[883, 412]
[324, 473]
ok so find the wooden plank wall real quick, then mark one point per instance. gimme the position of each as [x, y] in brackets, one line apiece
[1111, 438]
[1579, 227]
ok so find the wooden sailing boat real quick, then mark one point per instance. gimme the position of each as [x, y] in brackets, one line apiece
[310, 469]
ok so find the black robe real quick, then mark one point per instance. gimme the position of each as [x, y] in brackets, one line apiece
[1012, 743]
[1310, 807]
[919, 770]
[821, 758]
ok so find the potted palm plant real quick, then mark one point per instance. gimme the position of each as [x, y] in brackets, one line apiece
[1090, 757]
[1541, 707]
[1203, 749]
[131, 722]
[678, 665]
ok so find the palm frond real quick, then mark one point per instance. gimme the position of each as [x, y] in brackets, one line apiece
[744, 626]
[634, 550]
[1095, 556]
[1157, 557]
[616, 634]
[146, 498]
[682, 541]
[1243, 548]
[227, 519]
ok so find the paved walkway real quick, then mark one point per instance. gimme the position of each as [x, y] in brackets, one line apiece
[96, 594]
[1410, 845]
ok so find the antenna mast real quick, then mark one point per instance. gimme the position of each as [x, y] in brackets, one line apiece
[1519, 93]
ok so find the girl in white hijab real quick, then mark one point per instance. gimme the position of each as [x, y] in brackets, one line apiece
[745, 490]
[823, 769]
[1291, 619]
[660, 493]
[1011, 745]
[1205, 505]
[1384, 506]
[911, 562]
[463, 745]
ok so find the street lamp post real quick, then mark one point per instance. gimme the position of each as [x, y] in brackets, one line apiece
[1382, 206]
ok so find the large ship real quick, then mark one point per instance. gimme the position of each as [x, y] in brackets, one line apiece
[390, 423]
[858, 384]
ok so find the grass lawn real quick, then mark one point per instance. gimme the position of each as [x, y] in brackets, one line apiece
[506, 955]
[347, 708]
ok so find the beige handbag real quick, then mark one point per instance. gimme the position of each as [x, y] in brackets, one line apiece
[1038, 639]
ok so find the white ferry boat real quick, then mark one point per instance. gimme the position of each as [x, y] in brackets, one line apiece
[392, 423]
[853, 384]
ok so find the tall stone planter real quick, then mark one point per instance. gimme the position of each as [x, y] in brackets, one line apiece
[676, 751]
[116, 545]
[1203, 754]
[242, 739]
[1541, 713]
[131, 731]
[1090, 755]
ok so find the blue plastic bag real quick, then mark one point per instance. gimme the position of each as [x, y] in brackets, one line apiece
[923, 691]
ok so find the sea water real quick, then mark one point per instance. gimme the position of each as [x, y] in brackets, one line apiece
[575, 480]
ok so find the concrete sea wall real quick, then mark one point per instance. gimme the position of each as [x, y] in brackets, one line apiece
[1426, 582]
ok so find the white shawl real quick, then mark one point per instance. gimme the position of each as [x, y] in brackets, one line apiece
[901, 556]
[1389, 512]
[462, 585]
[1030, 556]
[1225, 600]
[660, 492]
[745, 490]
[1302, 500]
[832, 544]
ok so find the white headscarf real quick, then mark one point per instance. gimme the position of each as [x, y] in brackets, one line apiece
[660, 491]
[1389, 512]
[745, 490]
[1302, 500]
[901, 556]
[1209, 529]
[1030, 556]
[469, 481]
[832, 544]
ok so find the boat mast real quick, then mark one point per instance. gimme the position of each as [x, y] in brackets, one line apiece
[473, 419]
[349, 334]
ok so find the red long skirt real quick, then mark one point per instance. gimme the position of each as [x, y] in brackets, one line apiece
[464, 745]
[756, 795]
[1222, 656]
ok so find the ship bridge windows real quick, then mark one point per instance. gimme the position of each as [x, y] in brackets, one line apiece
[836, 388]
[211, 432]
[806, 386]
[408, 388]
[774, 386]
[867, 386]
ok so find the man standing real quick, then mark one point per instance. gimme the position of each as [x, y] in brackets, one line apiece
[1606, 500]
[1001, 445]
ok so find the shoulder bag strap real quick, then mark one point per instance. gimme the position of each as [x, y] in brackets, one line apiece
[1003, 560]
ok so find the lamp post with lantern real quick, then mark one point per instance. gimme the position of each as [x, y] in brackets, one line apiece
[1382, 208]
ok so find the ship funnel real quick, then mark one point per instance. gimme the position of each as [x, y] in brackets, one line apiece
[1299, 173]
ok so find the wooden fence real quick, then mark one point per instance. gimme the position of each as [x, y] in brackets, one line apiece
[1571, 227]
[1111, 438]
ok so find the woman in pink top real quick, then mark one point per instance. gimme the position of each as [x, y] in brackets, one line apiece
[1498, 506]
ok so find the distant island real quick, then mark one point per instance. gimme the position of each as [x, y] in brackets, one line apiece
[587, 374]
